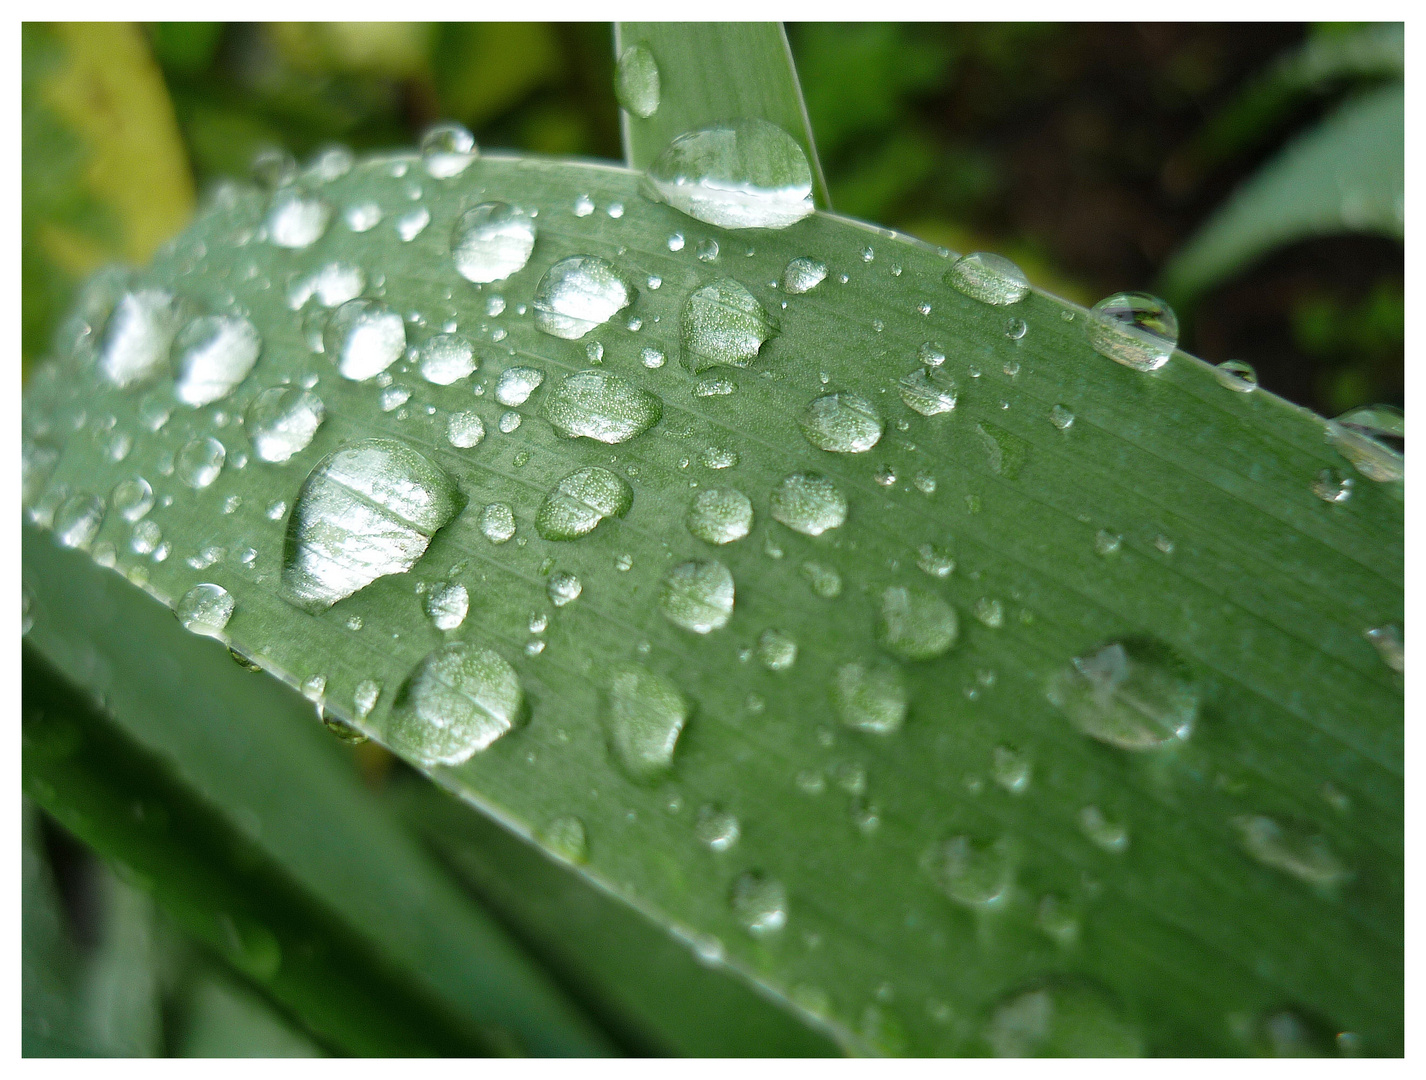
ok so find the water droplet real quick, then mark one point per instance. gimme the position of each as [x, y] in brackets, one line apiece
[331, 163]
[1331, 486]
[1388, 643]
[497, 523]
[509, 421]
[1056, 920]
[1061, 1021]
[991, 279]
[1061, 417]
[365, 511]
[928, 392]
[1107, 543]
[1007, 452]
[138, 336]
[365, 696]
[723, 323]
[333, 285]
[776, 650]
[759, 903]
[636, 82]
[646, 715]
[720, 515]
[447, 358]
[915, 625]
[447, 605]
[583, 206]
[492, 241]
[842, 424]
[464, 430]
[675, 242]
[870, 697]
[809, 503]
[1111, 836]
[297, 220]
[740, 174]
[978, 875]
[457, 701]
[1137, 694]
[1015, 329]
[825, 580]
[990, 612]
[803, 275]
[716, 828]
[935, 561]
[652, 357]
[1135, 329]
[711, 386]
[516, 384]
[601, 406]
[361, 217]
[698, 595]
[132, 498]
[146, 538]
[564, 588]
[578, 294]
[273, 167]
[77, 520]
[581, 501]
[364, 338]
[205, 609]
[282, 421]
[447, 150]
[1238, 376]
[200, 461]
[410, 225]
[566, 837]
[1293, 850]
[216, 352]
[1373, 440]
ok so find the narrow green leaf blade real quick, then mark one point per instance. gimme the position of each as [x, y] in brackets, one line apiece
[716, 71]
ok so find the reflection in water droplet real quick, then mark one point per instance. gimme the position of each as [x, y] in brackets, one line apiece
[200, 461]
[646, 715]
[1237, 376]
[206, 609]
[928, 392]
[1293, 850]
[1111, 836]
[282, 421]
[138, 336]
[740, 174]
[497, 523]
[1137, 694]
[759, 903]
[1061, 1021]
[447, 149]
[215, 353]
[723, 323]
[636, 82]
[698, 595]
[464, 430]
[870, 697]
[915, 625]
[492, 241]
[564, 588]
[578, 294]
[842, 424]
[364, 338]
[716, 828]
[720, 515]
[1388, 643]
[365, 511]
[447, 358]
[581, 501]
[1136, 329]
[458, 700]
[978, 875]
[601, 406]
[566, 837]
[516, 384]
[803, 275]
[132, 498]
[77, 521]
[447, 605]
[776, 650]
[991, 279]
[809, 503]
[297, 220]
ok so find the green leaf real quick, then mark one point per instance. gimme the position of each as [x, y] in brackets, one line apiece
[122, 992]
[1347, 174]
[969, 852]
[224, 1019]
[220, 795]
[49, 962]
[709, 72]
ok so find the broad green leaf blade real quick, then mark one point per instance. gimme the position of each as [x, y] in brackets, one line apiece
[709, 72]
[257, 837]
[668, 1003]
[937, 883]
[224, 1019]
[1345, 175]
[49, 963]
[122, 1003]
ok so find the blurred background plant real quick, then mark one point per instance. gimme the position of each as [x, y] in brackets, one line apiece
[1252, 173]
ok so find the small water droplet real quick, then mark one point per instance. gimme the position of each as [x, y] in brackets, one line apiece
[132, 498]
[935, 561]
[1061, 1021]
[928, 392]
[990, 612]
[215, 353]
[365, 696]
[205, 609]
[759, 903]
[447, 605]
[282, 421]
[1387, 642]
[740, 174]
[138, 336]
[809, 503]
[564, 588]
[825, 580]
[146, 538]
[411, 224]
[652, 357]
[77, 520]
[578, 294]
[566, 838]
[915, 625]
[723, 323]
[932, 354]
[200, 461]
[1015, 329]
[457, 701]
[1061, 417]
[720, 515]
[975, 874]
[273, 167]
[636, 82]
[698, 595]
[1292, 849]
[1373, 440]
[870, 697]
[464, 430]
[1111, 836]
[842, 423]
[601, 406]
[1135, 329]
[447, 358]
[447, 149]
[717, 829]
[1331, 486]
[1136, 694]
[297, 220]
[1107, 543]
[497, 523]
[647, 713]
[362, 217]
[516, 384]
[581, 501]
[802, 275]
[989, 278]
[1237, 376]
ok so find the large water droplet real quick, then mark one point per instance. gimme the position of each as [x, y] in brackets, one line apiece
[928, 392]
[1372, 439]
[447, 358]
[1137, 694]
[601, 406]
[364, 338]
[1293, 850]
[723, 323]
[447, 149]
[365, 511]
[646, 715]
[1136, 329]
[802, 275]
[516, 384]
[205, 609]
[978, 875]
[77, 521]
[991, 279]
[138, 336]
[759, 903]
[447, 605]
[282, 421]
[200, 461]
[1061, 1021]
[297, 220]
[809, 503]
[740, 174]
[870, 697]
[216, 352]
[842, 423]
[578, 294]
[720, 515]
[492, 241]
[132, 498]
[915, 625]
[458, 700]
[698, 595]
[636, 82]
[581, 501]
